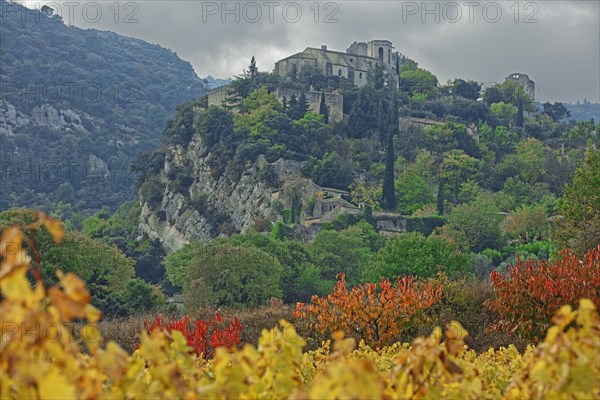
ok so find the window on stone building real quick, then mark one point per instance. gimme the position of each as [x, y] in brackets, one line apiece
[328, 69]
[360, 75]
[381, 53]
[340, 72]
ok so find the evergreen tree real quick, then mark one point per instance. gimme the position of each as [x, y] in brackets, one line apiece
[302, 105]
[440, 197]
[389, 195]
[520, 118]
[323, 110]
[291, 106]
[297, 107]
[252, 69]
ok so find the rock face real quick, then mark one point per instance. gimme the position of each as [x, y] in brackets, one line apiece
[220, 200]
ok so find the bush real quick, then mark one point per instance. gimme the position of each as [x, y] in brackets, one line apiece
[482, 266]
[374, 313]
[202, 336]
[530, 292]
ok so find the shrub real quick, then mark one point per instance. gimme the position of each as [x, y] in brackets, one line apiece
[374, 313]
[482, 266]
[530, 292]
[202, 336]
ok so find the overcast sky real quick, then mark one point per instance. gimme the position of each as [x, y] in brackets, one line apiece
[557, 43]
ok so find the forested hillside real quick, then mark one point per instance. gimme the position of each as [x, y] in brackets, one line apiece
[77, 105]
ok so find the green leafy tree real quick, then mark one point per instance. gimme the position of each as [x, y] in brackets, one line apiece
[456, 168]
[139, 296]
[505, 113]
[467, 89]
[177, 264]
[215, 125]
[476, 225]
[413, 193]
[332, 171]
[346, 251]
[227, 275]
[417, 255]
[580, 207]
[104, 268]
[527, 224]
[418, 82]
[556, 111]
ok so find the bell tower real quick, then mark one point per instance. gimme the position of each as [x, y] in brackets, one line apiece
[381, 49]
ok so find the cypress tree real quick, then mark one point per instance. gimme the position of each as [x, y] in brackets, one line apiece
[323, 110]
[440, 197]
[302, 105]
[389, 195]
[252, 69]
[520, 118]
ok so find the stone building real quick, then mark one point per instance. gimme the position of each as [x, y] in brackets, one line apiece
[524, 82]
[354, 64]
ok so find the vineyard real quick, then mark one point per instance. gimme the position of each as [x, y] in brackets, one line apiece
[40, 357]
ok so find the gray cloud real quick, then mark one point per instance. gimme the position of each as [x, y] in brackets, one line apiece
[560, 52]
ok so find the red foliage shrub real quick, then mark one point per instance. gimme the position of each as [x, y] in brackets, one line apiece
[530, 292]
[202, 336]
[374, 313]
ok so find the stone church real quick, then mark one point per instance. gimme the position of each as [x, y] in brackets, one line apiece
[354, 64]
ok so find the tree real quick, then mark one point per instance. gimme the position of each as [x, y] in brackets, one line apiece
[177, 264]
[476, 225]
[389, 192]
[556, 111]
[297, 107]
[416, 255]
[347, 251]
[519, 119]
[506, 113]
[323, 110]
[375, 313]
[456, 169]
[375, 76]
[332, 171]
[418, 82]
[580, 207]
[413, 192]
[227, 275]
[527, 223]
[105, 269]
[469, 90]
[215, 125]
[252, 69]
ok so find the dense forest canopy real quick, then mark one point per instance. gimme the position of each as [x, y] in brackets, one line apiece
[77, 105]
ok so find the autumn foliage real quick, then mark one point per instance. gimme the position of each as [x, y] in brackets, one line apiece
[530, 292]
[41, 358]
[202, 336]
[374, 313]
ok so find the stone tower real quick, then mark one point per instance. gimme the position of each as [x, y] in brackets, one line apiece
[381, 49]
[524, 82]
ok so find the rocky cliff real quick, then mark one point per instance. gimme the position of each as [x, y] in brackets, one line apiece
[219, 200]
